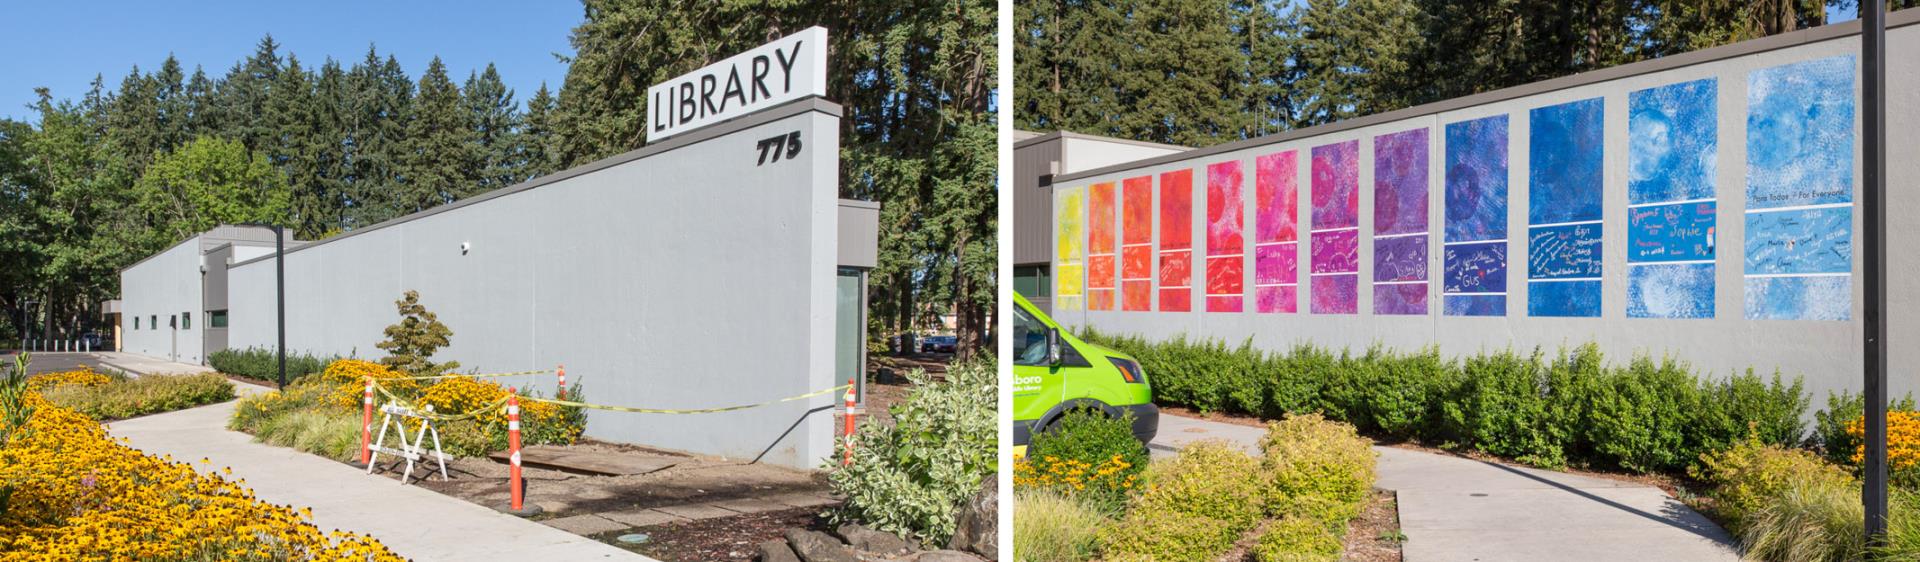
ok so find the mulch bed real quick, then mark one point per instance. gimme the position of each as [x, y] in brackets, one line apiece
[1375, 535]
[724, 538]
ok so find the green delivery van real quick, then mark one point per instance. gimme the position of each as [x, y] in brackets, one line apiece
[1054, 372]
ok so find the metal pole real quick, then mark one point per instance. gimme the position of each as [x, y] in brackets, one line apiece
[280, 283]
[1873, 50]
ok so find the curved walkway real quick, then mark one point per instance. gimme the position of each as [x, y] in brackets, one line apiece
[1460, 509]
[414, 522]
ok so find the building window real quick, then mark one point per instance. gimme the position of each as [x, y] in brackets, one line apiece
[216, 319]
[154, 321]
[136, 322]
[1032, 281]
[186, 321]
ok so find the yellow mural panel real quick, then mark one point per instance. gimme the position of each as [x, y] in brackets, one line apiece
[1070, 246]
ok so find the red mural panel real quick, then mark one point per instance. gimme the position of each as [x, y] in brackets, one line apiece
[1276, 203]
[1226, 250]
[1100, 238]
[1136, 244]
[1176, 241]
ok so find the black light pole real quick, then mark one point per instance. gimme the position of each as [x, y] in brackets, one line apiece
[1873, 51]
[280, 288]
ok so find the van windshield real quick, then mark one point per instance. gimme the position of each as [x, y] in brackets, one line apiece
[1029, 338]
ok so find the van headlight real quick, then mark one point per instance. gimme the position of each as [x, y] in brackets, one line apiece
[1129, 369]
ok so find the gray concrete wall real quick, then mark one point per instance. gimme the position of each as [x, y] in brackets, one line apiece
[157, 290]
[1826, 353]
[689, 277]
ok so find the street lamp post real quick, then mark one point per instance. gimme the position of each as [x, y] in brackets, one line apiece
[1873, 91]
[280, 288]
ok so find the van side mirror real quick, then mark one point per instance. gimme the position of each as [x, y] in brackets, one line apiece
[1054, 356]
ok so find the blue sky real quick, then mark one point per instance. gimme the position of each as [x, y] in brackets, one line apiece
[62, 45]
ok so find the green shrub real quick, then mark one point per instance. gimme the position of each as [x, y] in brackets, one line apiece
[125, 398]
[1316, 468]
[1297, 539]
[1048, 527]
[909, 478]
[1830, 424]
[264, 364]
[1754, 474]
[1212, 479]
[1640, 417]
[1164, 535]
[1502, 408]
[1090, 440]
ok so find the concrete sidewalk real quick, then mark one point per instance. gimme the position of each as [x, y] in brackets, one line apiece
[414, 522]
[1460, 509]
[139, 365]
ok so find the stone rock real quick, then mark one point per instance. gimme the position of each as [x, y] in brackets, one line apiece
[978, 529]
[947, 556]
[815, 546]
[776, 550]
[869, 540]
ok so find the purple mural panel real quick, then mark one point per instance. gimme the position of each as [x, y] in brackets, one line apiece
[1335, 294]
[1335, 251]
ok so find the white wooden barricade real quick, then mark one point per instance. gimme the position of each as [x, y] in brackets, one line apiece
[414, 451]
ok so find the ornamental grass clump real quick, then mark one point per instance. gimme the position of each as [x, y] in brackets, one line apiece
[71, 492]
[1048, 527]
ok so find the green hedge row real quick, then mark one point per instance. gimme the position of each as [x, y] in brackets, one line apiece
[1571, 407]
[262, 363]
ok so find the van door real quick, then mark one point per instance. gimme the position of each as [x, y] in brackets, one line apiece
[1037, 386]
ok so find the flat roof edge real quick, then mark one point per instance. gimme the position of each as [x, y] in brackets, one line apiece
[1065, 134]
[1901, 18]
[809, 104]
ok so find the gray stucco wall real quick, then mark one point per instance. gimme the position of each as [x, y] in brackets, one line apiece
[1826, 353]
[163, 287]
[686, 278]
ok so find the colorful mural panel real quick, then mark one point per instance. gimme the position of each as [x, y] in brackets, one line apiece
[1335, 250]
[1671, 232]
[1672, 150]
[1670, 290]
[1176, 241]
[1226, 249]
[1564, 192]
[1276, 234]
[1101, 269]
[1475, 240]
[1672, 142]
[1400, 205]
[1069, 249]
[1136, 244]
[1799, 233]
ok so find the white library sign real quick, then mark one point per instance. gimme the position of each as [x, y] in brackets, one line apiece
[789, 68]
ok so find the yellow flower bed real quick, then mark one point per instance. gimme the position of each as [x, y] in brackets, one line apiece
[77, 494]
[1903, 440]
[1077, 475]
[83, 377]
[346, 376]
[459, 395]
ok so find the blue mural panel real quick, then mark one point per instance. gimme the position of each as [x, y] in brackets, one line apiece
[1563, 177]
[1827, 297]
[1476, 180]
[1800, 134]
[1673, 141]
[1817, 240]
[1564, 252]
[1563, 298]
[1476, 268]
[1476, 305]
[1670, 290]
[1676, 232]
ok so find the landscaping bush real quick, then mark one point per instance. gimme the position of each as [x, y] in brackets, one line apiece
[69, 491]
[1149, 535]
[264, 363]
[1317, 469]
[1753, 474]
[145, 395]
[909, 478]
[1298, 539]
[1087, 456]
[1049, 527]
[1649, 415]
[1212, 479]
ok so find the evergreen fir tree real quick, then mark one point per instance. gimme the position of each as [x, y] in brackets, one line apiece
[439, 165]
[496, 131]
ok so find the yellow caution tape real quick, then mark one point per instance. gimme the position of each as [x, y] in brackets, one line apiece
[477, 376]
[694, 411]
[423, 413]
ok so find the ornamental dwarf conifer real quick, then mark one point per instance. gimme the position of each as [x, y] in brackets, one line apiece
[411, 343]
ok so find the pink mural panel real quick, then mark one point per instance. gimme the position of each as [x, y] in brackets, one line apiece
[1335, 288]
[1226, 249]
[1176, 241]
[1276, 232]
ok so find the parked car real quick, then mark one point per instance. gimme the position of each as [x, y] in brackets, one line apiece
[93, 340]
[1055, 372]
[944, 344]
